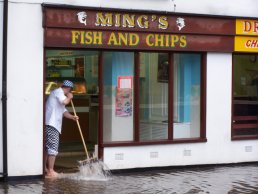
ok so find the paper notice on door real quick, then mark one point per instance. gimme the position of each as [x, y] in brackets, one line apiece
[125, 82]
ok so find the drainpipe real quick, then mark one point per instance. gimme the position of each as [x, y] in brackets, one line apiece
[4, 89]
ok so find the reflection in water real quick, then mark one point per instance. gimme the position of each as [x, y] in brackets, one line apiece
[217, 180]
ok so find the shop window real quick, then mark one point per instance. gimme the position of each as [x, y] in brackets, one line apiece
[245, 96]
[118, 115]
[118, 76]
[187, 82]
[153, 96]
[167, 106]
[167, 86]
[154, 90]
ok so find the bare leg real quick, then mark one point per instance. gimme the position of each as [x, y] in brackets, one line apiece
[51, 163]
[45, 163]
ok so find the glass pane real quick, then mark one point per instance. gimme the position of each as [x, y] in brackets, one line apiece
[245, 85]
[153, 96]
[118, 72]
[187, 76]
[244, 132]
[81, 67]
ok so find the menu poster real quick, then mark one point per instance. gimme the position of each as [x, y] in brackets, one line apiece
[123, 102]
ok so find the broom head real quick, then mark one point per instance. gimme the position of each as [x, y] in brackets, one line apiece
[88, 161]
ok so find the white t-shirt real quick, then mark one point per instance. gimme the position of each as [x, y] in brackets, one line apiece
[55, 109]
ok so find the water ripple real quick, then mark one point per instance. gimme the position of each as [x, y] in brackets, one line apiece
[197, 180]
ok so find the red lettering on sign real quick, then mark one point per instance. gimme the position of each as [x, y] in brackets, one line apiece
[247, 26]
[251, 44]
[254, 43]
[255, 26]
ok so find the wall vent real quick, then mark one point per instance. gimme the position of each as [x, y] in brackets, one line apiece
[119, 156]
[187, 153]
[248, 148]
[154, 154]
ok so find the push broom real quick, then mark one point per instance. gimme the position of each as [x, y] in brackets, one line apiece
[88, 159]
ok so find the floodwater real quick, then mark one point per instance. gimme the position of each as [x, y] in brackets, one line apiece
[231, 179]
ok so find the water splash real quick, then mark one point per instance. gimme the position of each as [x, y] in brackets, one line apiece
[97, 171]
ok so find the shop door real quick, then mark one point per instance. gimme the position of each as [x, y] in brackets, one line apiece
[80, 67]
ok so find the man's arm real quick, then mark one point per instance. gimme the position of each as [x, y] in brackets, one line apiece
[70, 116]
[68, 99]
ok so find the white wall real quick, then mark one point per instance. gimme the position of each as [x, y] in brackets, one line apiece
[218, 7]
[218, 149]
[25, 90]
[1, 51]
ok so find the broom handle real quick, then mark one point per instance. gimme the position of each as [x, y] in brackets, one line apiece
[79, 127]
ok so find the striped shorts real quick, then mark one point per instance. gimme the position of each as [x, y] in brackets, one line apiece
[52, 140]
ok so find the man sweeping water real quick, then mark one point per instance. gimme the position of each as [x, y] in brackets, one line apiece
[55, 110]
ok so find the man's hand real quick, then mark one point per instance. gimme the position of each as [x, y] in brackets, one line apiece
[69, 95]
[70, 116]
[68, 99]
[75, 118]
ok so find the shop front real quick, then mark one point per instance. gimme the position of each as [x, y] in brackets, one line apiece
[142, 83]
[245, 69]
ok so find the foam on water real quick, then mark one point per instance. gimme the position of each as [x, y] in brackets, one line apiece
[95, 171]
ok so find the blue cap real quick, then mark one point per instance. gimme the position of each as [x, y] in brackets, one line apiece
[67, 83]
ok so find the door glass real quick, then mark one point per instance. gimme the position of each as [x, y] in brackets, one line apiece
[80, 67]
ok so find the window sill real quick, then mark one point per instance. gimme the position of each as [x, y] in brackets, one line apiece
[244, 137]
[159, 142]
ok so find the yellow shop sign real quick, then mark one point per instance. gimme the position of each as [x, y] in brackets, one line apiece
[246, 43]
[247, 27]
